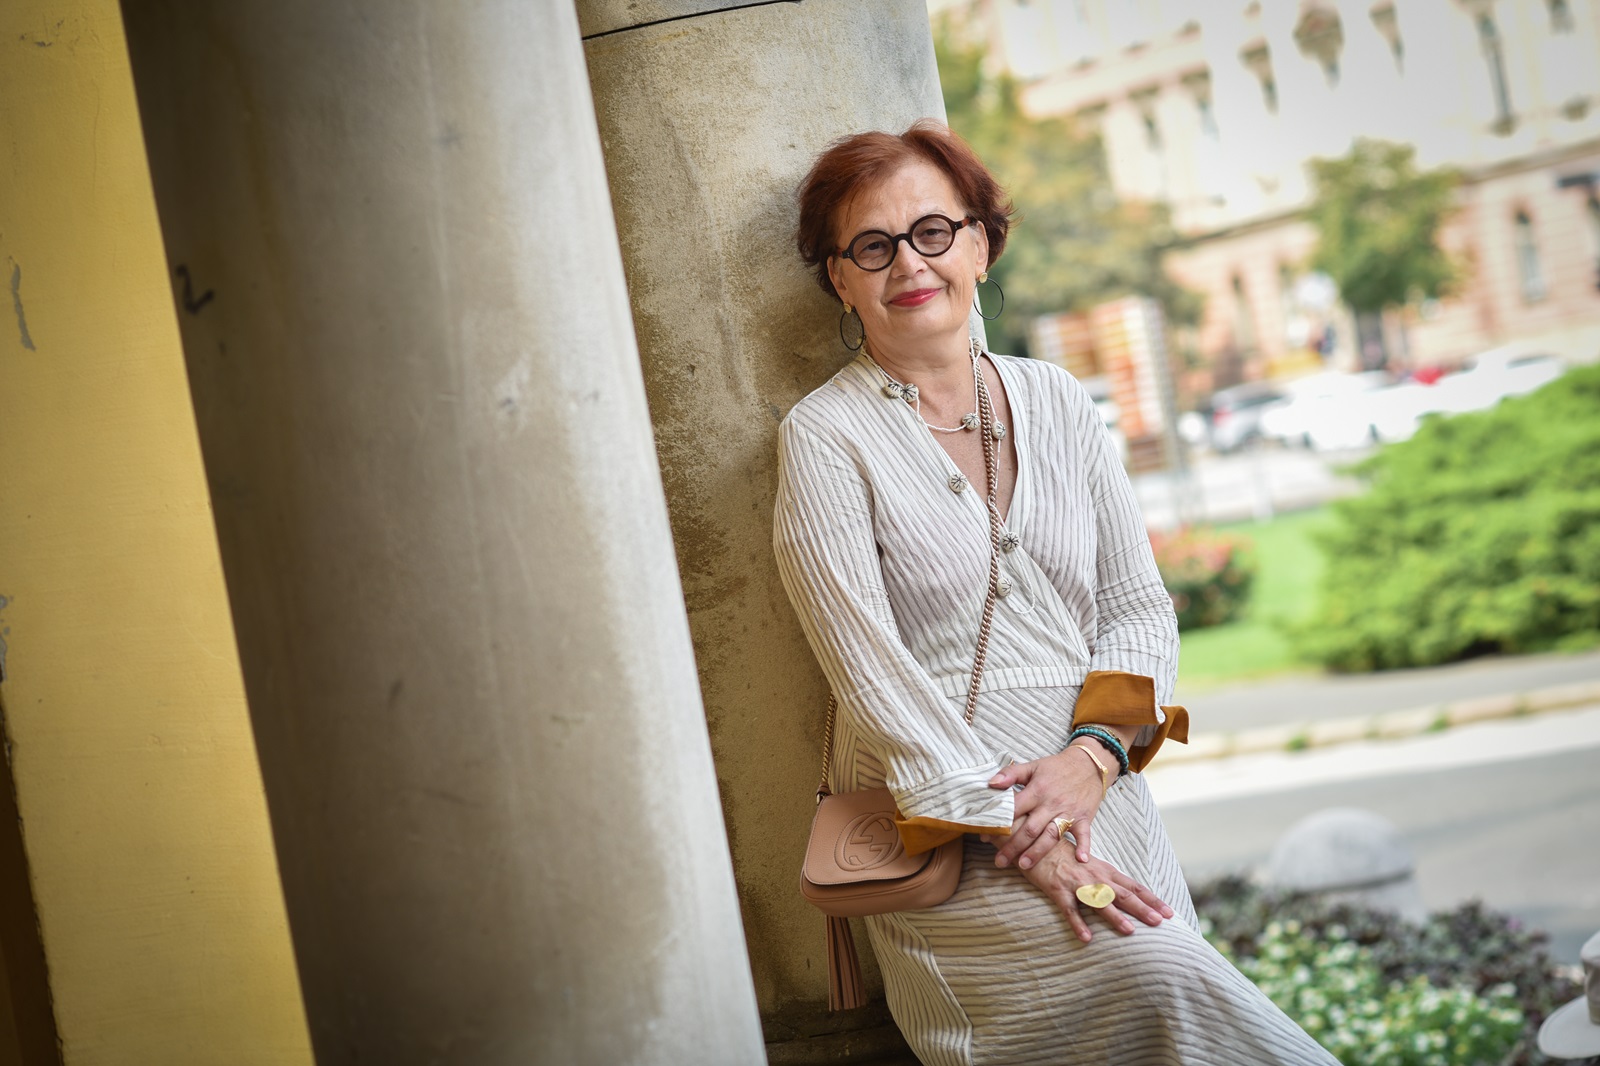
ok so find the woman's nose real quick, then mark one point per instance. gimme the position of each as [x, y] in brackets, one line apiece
[906, 260]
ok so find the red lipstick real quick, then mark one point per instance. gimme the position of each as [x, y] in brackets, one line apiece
[914, 298]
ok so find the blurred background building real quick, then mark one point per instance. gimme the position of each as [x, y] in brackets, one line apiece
[1214, 108]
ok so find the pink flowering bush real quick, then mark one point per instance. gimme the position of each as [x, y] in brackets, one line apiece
[1207, 574]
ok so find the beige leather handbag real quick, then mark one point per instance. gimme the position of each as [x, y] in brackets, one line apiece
[855, 863]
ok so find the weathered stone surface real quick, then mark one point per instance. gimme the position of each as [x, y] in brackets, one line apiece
[708, 125]
[612, 16]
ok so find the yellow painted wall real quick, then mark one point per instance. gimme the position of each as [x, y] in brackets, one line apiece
[141, 805]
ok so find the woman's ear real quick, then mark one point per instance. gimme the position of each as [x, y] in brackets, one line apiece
[981, 236]
[836, 275]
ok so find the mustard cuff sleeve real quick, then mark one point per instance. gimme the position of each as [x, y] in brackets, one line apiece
[1114, 697]
[925, 834]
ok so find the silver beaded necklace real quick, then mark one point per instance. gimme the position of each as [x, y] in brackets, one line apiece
[898, 390]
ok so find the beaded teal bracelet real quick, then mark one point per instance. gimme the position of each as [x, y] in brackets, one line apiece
[1112, 744]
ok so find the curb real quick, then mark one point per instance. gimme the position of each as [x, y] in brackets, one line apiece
[1391, 725]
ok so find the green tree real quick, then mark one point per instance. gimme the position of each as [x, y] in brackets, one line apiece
[1378, 219]
[1075, 244]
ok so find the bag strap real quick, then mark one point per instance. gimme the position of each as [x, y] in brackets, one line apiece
[992, 501]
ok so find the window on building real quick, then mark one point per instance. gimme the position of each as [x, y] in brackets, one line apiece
[1288, 309]
[1258, 60]
[1561, 20]
[1532, 275]
[1199, 86]
[1244, 323]
[1494, 57]
[1145, 103]
[1320, 35]
[1388, 24]
[1594, 230]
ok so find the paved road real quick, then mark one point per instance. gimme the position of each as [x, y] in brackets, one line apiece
[1522, 833]
[1310, 698]
[1249, 485]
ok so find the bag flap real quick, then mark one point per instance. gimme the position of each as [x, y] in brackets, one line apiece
[853, 838]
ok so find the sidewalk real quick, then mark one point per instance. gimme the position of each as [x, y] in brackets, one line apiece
[1306, 711]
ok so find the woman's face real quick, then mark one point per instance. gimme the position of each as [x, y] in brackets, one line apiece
[916, 298]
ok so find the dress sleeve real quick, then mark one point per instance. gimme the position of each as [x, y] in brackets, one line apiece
[937, 768]
[1134, 664]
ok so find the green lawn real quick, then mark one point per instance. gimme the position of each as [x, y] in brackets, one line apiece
[1289, 566]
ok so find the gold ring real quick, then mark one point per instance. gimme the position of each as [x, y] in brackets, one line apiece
[1062, 825]
[1096, 895]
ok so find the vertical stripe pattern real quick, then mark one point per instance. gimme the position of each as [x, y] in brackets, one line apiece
[887, 569]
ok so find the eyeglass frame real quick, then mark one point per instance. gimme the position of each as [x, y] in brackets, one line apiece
[894, 240]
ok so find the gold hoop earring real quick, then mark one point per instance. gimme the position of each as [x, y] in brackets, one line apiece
[983, 277]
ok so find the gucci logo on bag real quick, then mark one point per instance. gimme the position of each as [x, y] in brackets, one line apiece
[870, 841]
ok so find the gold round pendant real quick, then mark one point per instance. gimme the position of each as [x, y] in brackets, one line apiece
[1096, 896]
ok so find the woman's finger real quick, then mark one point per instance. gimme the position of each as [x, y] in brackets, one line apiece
[1116, 918]
[1069, 906]
[1023, 833]
[1048, 838]
[1018, 773]
[1080, 832]
[1148, 898]
[1130, 903]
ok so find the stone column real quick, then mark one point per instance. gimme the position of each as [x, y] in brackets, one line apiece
[710, 114]
[462, 633]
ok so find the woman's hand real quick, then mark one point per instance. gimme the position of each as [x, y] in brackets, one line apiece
[1065, 785]
[1059, 875]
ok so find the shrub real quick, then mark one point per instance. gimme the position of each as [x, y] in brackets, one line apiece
[1207, 574]
[1468, 986]
[1480, 534]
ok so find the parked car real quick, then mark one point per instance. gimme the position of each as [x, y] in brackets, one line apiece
[1494, 375]
[1236, 414]
[1489, 378]
[1324, 411]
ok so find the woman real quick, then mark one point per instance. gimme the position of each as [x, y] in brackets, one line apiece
[883, 539]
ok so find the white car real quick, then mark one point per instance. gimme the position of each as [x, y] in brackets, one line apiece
[1494, 375]
[1325, 411]
[1489, 378]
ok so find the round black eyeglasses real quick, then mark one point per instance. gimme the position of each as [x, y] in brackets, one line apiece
[929, 236]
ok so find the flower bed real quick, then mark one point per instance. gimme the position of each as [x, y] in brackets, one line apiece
[1468, 987]
[1207, 574]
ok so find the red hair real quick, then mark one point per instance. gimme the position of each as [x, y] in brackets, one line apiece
[854, 162]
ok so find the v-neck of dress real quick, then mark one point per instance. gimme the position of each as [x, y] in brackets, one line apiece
[1010, 518]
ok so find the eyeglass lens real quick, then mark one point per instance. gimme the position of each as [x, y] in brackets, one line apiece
[930, 235]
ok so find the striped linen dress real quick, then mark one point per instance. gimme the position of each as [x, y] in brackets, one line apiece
[887, 567]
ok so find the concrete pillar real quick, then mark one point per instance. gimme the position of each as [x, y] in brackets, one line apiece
[442, 527]
[710, 114]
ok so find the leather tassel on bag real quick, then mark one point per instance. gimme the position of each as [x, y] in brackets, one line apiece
[845, 991]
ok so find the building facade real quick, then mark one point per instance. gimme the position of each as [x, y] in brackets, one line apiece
[1215, 107]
